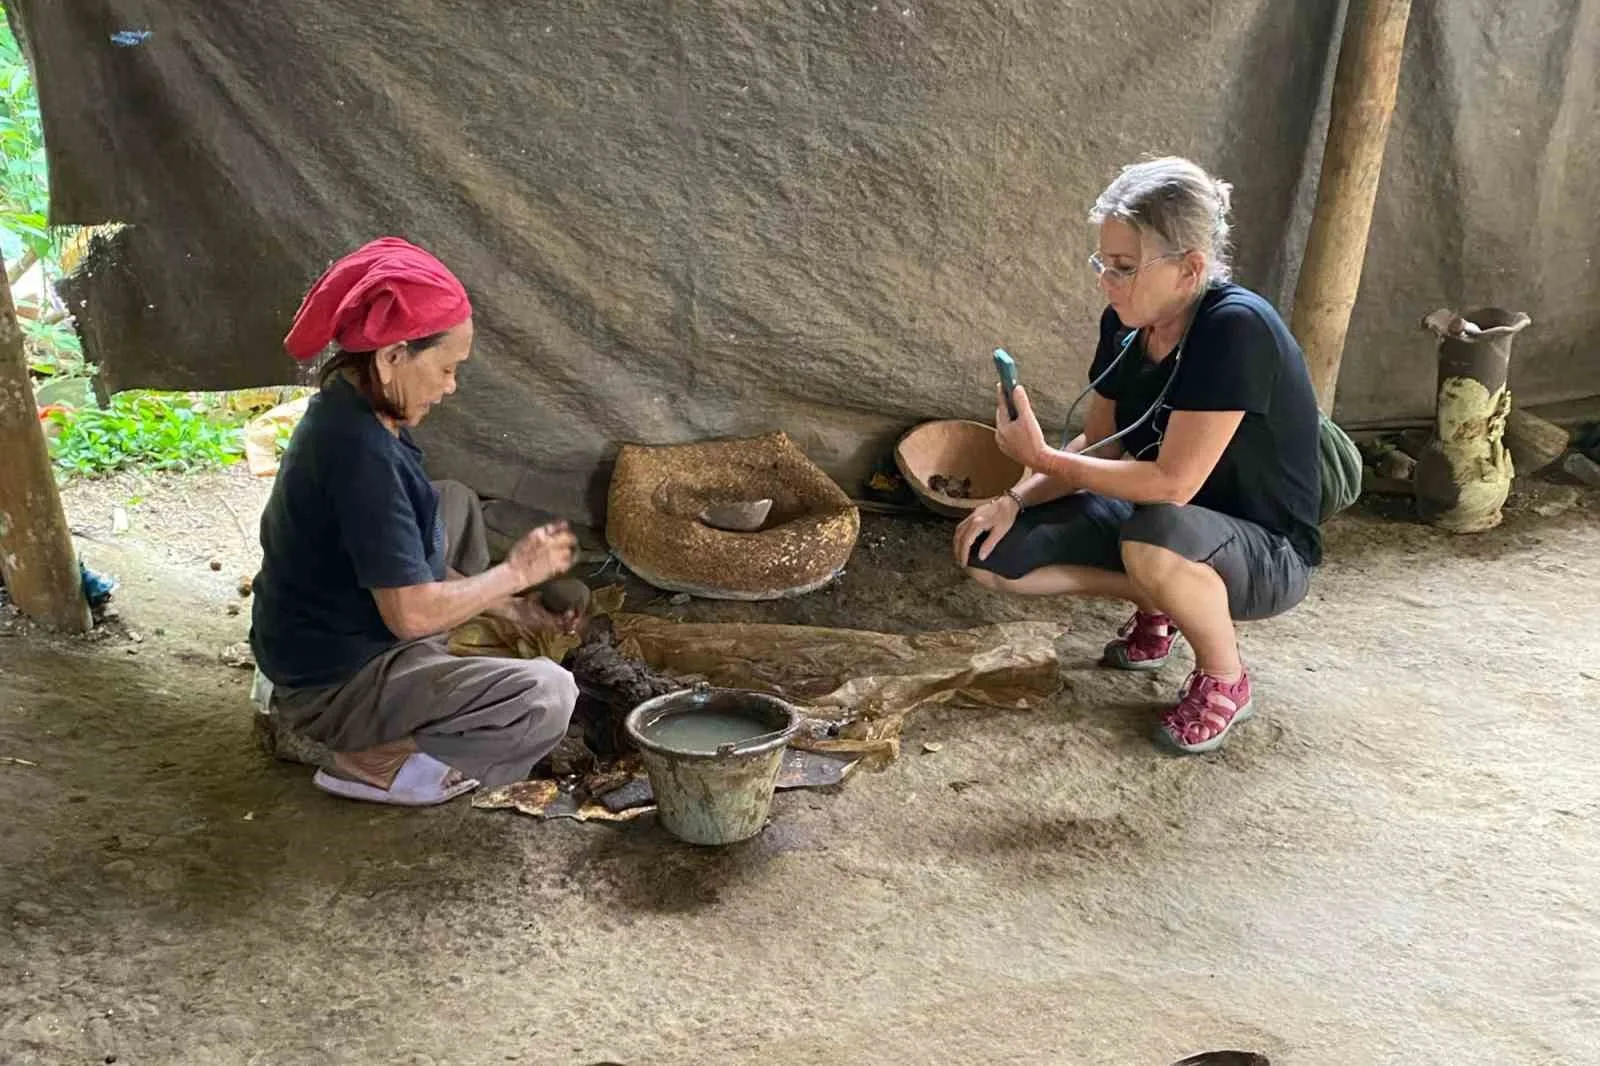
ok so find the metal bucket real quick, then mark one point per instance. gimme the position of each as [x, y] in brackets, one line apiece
[721, 795]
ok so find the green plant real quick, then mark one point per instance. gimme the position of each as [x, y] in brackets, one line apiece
[147, 431]
[26, 236]
[54, 349]
[24, 178]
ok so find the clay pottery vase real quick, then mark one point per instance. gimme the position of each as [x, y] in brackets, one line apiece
[1464, 474]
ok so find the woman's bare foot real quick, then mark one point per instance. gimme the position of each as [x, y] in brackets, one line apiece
[377, 766]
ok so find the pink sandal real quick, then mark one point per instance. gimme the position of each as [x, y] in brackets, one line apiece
[1207, 711]
[1143, 643]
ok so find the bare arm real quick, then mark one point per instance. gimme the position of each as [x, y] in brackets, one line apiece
[1099, 423]
[416, 611]
[1194, 442]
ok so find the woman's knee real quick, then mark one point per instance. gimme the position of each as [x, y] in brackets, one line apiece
[454, 492]
[552, 693]
[562, 683]
[1003, 563]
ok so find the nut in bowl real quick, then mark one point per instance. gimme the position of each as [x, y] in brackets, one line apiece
[953, 465]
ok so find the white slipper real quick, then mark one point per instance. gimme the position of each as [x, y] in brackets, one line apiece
[420, 783]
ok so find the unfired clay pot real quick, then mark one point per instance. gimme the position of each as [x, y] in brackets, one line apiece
[1464, 474]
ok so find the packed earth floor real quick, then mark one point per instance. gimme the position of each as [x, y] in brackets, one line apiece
[1397, 861]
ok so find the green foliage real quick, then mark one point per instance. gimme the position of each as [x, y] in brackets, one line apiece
[25, 203]
[54, 349]
[146, 431]
[24, 180]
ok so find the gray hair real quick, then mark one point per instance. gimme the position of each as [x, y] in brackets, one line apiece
[1178, 202]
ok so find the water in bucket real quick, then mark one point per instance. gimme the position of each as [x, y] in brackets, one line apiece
[713, 757]
[705, 730]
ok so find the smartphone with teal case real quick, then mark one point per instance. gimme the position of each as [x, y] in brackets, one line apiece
[1007, 367]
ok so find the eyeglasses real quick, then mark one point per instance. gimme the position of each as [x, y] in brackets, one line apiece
[1123, 275]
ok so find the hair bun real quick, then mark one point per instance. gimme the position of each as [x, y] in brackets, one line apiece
[1224, 193]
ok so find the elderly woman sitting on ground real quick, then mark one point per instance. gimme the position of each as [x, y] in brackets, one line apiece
[367, 565]
[1194, 489]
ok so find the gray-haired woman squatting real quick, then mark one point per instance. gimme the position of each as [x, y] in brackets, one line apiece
[1202, 509]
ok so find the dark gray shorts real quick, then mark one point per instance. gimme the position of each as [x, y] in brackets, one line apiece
[1263, 573]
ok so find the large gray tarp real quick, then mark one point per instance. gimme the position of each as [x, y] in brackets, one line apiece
[688, 219]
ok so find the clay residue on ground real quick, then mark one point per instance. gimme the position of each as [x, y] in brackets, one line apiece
[1396, 862]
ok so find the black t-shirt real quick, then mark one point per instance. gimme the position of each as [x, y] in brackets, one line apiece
[1238, 356]
[352, 511]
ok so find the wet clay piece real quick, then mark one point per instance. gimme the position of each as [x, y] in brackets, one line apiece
[938, 457]
[955, 488]
[610, 684]
[659, 495]
[564, 595]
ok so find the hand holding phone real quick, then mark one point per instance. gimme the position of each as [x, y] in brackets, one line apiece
[1007, 368]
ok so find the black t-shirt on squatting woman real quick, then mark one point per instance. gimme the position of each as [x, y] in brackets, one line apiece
[1238, 356]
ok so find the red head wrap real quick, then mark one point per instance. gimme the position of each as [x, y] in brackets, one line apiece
[386, 292]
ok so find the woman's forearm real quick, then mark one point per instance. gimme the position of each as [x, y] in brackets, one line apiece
[1036, 488]
[505, 606]
[418, 611]
[1136, 482]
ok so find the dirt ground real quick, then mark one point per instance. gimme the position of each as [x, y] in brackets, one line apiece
[1398, 861]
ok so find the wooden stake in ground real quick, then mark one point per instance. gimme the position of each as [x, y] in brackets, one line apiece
[1364, 89]
[36, 554]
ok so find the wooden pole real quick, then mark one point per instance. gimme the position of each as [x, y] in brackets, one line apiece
[37, 559]
[1364, 89]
